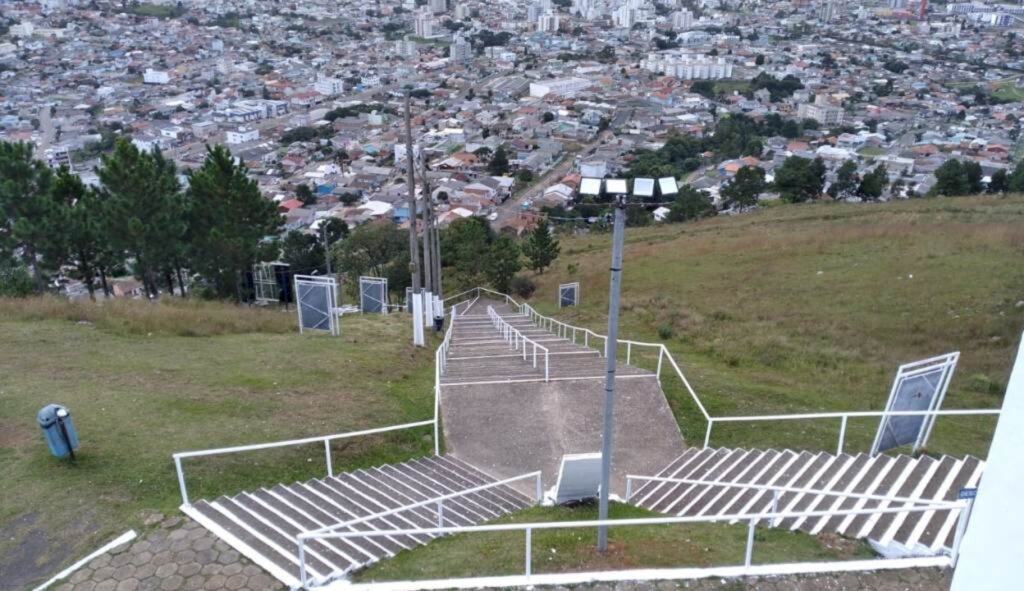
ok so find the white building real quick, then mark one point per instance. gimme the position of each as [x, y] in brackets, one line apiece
[822, 111]
[329, 86]
[423, 25]
[461, 50]
[558, 86]
[241, 135]
[682, 20]
[151, 76]
[438, 6]
[548, 22]
[688, 66]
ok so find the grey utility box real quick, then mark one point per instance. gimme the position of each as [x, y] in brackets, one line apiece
[58, 430]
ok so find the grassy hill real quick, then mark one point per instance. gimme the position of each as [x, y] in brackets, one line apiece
[811, 308]
[790, 309]
[141, 386]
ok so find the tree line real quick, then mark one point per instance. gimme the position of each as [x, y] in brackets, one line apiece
[139, 219]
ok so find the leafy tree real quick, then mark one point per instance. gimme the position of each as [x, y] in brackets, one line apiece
[973, 173]
[542, 247]
[548, 117]
[502, 263]
[371, 249]
[463, 244]
[846, 182]
[690, 204]
[304, 253]
[759, 59]
[999, 182]
[951, 179]
[229, 220]
[800, 179]
[26, 207]
[498, 165]
[874, 183]
[304, 194]
[525, 175]
[744, 188]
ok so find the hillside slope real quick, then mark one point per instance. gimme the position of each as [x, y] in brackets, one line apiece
[811, 308]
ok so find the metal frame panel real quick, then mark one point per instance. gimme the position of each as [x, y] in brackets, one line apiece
[575, 287]
[935, 373]
[579, 477]
[266, 289]
[366, 285]
[305, 285]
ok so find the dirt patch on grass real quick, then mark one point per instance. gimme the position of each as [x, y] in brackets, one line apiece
[14, 435]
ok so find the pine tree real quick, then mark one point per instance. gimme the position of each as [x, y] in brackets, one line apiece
[26, 207]
[542, 247]
[145, 211]
[228, 220]
[502, 263]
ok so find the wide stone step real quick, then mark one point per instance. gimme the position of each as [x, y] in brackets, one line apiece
[264, 524]
[830, 479]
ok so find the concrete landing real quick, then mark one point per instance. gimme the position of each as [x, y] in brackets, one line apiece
[509, 429]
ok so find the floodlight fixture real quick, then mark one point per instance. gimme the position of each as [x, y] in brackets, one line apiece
[668, 185]
[616, 186]
[643, 187]
[589, 186]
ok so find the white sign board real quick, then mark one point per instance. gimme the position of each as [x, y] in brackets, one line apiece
[579, 477]
[919, 386]
[316, 300]
[568, 295]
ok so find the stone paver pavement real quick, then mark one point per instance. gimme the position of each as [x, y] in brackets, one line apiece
[178, 556]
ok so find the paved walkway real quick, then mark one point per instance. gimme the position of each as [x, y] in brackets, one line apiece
[180, 555]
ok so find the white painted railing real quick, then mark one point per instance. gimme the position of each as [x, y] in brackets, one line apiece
[325, 439]
[747, 568]
[518, 340]
[436, 503]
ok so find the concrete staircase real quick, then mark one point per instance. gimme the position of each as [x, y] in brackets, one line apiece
[263, 524]
[919, 533]
[479, 354]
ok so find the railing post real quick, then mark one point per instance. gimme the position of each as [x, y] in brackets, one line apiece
[529, 550]
[586, 339]
[540, 490]
[842, 435]
[327, 454]
[629, 488]
[547, 366]
[302, 563]
[535, 355]
[629, 352]
[661, 356]
[961, 527]
[750, 542]
[707, 434]
[440, 513]
[181, 481]
[437, 411]
[775, 505]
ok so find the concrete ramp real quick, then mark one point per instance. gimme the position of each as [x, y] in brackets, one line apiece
[509, 429]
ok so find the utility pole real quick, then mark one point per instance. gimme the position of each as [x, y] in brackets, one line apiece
[428, 268]
[327, 246]
[414, 251]
[618, 238]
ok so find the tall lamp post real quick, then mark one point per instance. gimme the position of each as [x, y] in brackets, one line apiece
[618, 190]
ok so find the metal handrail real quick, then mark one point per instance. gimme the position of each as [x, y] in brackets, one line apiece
[752, 520]
[326, 439]
[513, 336]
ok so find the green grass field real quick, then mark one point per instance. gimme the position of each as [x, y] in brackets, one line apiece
[569, 550]
[137, 396]
[811, 309]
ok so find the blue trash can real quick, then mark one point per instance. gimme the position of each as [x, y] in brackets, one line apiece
[58, 430]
